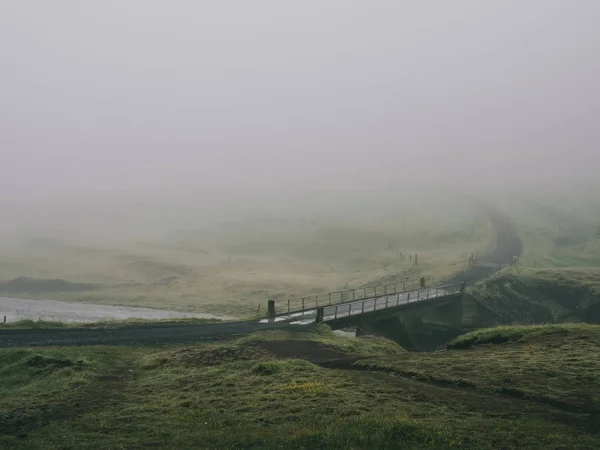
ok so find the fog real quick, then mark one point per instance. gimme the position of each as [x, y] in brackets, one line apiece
[283, 103]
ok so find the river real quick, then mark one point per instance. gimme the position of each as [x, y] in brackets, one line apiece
[58, 311]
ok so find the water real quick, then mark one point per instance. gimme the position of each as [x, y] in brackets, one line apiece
[57, 311]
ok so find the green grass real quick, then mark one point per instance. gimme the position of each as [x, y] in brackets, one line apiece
[41, 386]
[521, 334]
[309, 390]
[543, 295]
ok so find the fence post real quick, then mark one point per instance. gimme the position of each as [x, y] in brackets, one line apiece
[288, 306]
[375, 291]
[462, 286]
[271, 309]
[336, 307]
[408, 299]
[362, 311]
[303, 304]
[427, 292]
[403, 286]
[418, 294]
[386, 302]
[436, 292]
[353, 293]
[258, 309]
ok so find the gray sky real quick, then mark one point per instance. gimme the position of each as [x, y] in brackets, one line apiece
[143, 96]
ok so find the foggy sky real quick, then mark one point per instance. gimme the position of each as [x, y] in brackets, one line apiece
[143, 97]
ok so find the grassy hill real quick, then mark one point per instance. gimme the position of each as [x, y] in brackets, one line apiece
[511, 387]
[543, 295]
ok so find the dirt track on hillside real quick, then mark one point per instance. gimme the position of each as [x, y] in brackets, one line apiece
[508, 245]
[508, 241]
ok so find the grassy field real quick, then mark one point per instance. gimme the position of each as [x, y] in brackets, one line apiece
[512, 387]
[557, 231]
[231, 268]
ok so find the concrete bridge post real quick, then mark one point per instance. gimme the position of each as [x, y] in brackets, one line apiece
[320, 314]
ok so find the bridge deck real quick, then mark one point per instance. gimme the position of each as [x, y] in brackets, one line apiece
[369, 305]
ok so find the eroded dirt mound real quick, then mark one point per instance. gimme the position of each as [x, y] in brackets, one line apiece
[213, 356]
[49, 363]
[312, 351]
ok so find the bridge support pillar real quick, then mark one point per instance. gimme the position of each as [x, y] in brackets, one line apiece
[393, 328]
[449, 314]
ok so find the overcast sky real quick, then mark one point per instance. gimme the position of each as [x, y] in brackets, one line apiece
[140, 96]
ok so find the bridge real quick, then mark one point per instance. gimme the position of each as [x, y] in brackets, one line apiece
[349, 310]
[415, 318]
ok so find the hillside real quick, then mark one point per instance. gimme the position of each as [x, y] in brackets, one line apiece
[541, 388]
[542, 295]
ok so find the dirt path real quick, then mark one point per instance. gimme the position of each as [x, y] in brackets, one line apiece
[508, 245]
[508, 241]
[478, 398]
